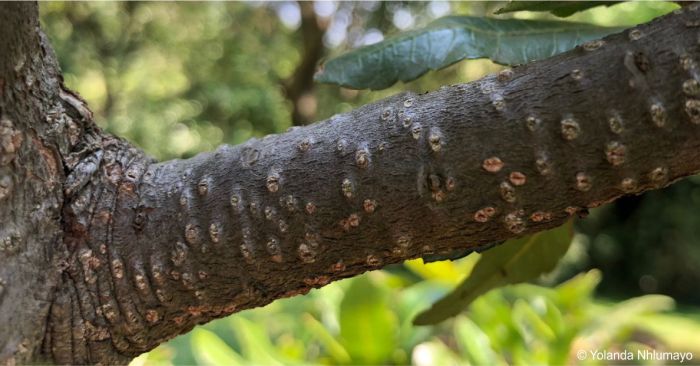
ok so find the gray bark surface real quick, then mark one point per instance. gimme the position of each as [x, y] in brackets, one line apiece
[129, 252]
[32, 148]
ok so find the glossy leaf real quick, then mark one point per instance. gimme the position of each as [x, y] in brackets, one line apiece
[558, 8]
[515, 261]
[450, 39]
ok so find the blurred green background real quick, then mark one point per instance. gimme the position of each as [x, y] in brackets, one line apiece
[181, 78]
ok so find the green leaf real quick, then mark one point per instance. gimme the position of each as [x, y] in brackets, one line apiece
[606, 327]
[448, 272]
[334, 349]
[578, 290]
[434, 352]
[515, 261]
[367, 325]
[530, 324]
[209, 349]
[450, 39]
[558, 8]
[475, 344]
[255, 342]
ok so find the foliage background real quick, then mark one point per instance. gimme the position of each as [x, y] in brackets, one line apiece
[180, 78]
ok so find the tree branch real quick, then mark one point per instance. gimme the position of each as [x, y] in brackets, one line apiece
[156, 248]
[301, 83]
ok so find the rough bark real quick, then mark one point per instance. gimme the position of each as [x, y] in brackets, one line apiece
[31, 176]
[147, 250]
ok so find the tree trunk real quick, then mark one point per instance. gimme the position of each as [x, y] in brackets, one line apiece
[106, 253]
[33, 150]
